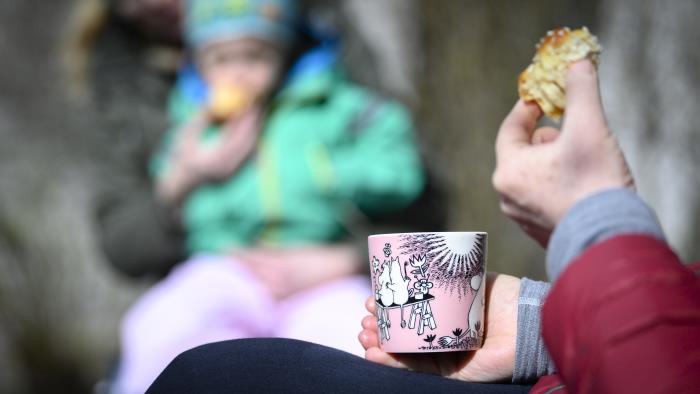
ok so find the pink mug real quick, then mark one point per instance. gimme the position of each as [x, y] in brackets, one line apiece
[429, 290]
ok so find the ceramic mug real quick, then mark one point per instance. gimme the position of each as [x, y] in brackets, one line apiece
[429, 290]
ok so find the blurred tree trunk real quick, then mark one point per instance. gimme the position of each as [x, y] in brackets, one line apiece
[59, 303]
[389, 31]
[650, 75]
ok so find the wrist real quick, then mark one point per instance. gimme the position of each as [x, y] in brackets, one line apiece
[188, 176]
[531, 358]
[176, 183]
[600, 216]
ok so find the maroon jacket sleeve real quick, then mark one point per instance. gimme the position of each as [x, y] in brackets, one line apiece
[625, 317]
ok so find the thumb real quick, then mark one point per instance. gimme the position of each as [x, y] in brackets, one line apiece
[584, 111]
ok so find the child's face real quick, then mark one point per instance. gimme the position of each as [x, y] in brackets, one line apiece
[250, 64]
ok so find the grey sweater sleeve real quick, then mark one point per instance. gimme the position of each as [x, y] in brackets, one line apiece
[531, 357]
[594, 219]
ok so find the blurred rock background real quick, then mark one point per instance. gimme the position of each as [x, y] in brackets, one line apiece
[76, 115]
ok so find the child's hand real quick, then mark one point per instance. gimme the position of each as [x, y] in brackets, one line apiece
[493, 362]
[193, 163]
[541, 173]
[219, 161]
[287, 271]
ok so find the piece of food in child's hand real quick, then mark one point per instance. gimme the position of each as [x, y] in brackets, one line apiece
[226, 101]
[544, 81]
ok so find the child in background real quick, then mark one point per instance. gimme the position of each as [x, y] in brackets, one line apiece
[264, 166]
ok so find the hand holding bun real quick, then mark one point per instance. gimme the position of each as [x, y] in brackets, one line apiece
[541, 172]
[543, 81]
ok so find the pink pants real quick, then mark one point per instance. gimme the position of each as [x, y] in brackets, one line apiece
[213, 298]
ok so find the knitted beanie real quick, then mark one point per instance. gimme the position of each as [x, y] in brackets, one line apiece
[210, 20]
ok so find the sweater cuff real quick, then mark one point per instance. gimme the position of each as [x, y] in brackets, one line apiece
[597, 218]
[531, 358]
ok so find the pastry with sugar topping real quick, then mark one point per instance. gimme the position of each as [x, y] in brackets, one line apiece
[543, 81]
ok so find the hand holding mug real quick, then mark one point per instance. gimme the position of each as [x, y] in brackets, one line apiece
[492, 362]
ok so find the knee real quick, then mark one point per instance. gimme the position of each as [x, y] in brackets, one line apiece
[242, 355]
[248, 362]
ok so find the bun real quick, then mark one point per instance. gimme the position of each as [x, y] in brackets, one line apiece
[226, 101]
[543, 81]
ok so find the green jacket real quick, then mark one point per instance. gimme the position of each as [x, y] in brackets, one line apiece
[327, 147]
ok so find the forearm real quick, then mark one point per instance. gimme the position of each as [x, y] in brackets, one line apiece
[175, 176]
[621, 299]
[625, 317]
[174, 185]
[597, 218]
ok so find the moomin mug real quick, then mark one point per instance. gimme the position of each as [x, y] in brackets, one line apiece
[429, 290]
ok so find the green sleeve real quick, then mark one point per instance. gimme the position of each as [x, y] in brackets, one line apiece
[178, 111]
[382, 169]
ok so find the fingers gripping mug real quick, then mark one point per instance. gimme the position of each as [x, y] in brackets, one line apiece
[429, 290]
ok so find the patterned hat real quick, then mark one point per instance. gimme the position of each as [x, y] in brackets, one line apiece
[209, 20]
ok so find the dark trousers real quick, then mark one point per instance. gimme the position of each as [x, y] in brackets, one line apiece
[291, 366]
